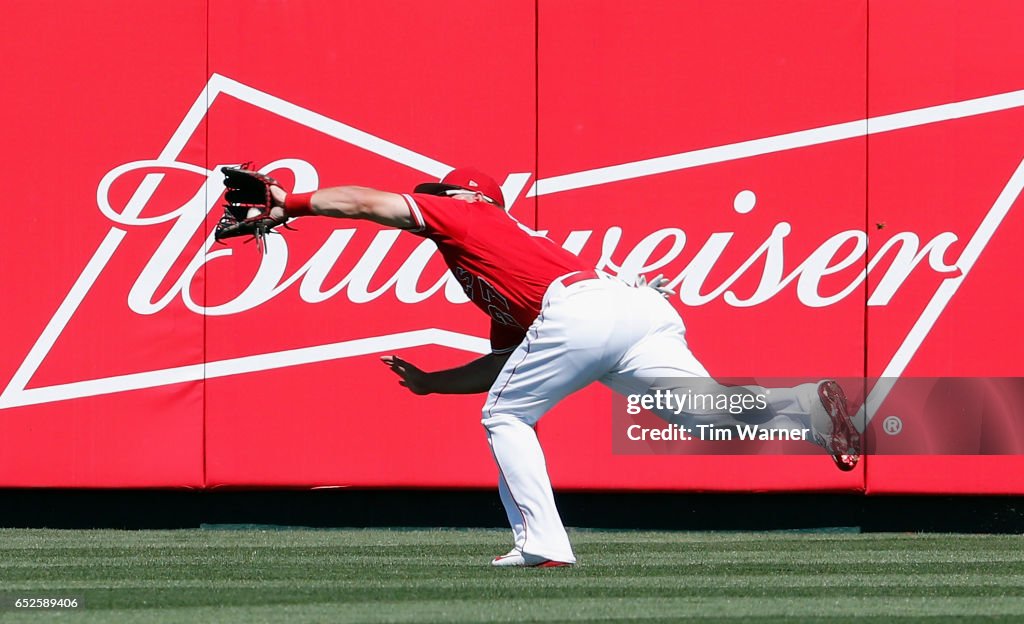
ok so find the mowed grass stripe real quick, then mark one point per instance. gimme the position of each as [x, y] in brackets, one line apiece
[542, 580]
[218, 594]
[596, 610]
[42, 538]
[340, 569]
[357, 557]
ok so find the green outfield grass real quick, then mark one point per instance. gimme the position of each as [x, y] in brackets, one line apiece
[254, 575]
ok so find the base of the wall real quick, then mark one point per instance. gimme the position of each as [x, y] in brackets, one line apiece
[168, 509]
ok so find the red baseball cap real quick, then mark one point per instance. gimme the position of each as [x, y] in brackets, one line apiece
[465, 179]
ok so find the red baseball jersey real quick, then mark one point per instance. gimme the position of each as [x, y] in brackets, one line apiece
[503, 266]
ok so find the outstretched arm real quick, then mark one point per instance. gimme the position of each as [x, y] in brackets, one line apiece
[477, 376]
[344, 202]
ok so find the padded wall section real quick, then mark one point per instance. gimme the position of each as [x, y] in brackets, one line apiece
[946, 179]
[704, 141]
[95, 332]
[386, 95]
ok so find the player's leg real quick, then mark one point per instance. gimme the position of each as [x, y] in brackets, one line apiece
[662, 361]
[566, 349]
[515, 518]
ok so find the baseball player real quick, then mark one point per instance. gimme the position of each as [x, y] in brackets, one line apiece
[557, 325]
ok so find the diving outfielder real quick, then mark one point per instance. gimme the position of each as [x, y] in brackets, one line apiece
[557, 325]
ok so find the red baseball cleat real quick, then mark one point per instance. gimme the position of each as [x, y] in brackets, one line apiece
[833, 428]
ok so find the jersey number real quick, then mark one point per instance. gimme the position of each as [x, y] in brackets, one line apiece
[478, 289]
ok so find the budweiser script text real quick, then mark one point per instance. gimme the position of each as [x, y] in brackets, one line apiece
[904, 252]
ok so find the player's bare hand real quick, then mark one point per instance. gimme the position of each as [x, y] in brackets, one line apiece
[277, 195]
[409, 376]
[276, 215]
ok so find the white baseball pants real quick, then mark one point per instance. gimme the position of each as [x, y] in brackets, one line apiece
[593, 330]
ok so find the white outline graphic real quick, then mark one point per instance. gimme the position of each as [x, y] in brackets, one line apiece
[18, 394]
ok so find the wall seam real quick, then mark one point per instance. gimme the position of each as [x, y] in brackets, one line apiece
[867, 215]
[536, 110]
[206, 183]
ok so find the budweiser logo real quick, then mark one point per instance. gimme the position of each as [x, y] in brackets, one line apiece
[698, 283]
[659, 249]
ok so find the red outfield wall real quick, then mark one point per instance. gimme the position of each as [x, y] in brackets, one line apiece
[833, 186]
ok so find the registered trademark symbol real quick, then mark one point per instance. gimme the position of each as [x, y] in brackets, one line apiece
[892, 425]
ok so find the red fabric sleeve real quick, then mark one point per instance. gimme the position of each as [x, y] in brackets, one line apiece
[438, 217]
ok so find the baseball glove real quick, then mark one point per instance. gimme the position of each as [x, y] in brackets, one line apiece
[248, 204]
